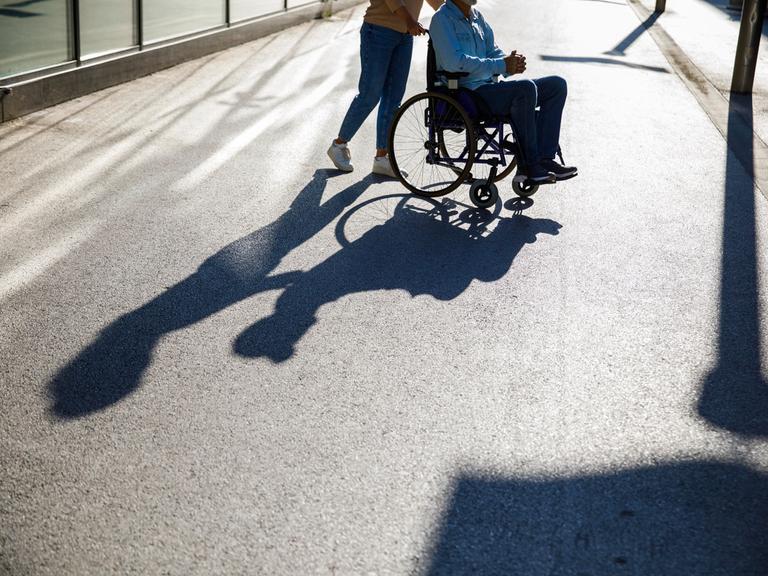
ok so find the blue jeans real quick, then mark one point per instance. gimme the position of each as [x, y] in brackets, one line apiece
[538, 133]
[385, 59]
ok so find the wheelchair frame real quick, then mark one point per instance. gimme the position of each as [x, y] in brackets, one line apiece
[446, 110]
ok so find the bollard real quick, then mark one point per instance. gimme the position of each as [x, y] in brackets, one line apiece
[661, 5]
[751, 30]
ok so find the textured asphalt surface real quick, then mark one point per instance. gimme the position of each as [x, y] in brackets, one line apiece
[217, 356]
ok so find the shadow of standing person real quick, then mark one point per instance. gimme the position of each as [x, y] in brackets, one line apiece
[111, 367]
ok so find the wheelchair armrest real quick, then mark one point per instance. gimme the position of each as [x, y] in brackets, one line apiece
[452, 75]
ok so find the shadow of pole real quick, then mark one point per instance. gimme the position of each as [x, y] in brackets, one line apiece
[735, 395]
[621, 48]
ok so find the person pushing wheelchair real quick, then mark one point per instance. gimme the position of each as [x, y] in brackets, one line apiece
[464, 42]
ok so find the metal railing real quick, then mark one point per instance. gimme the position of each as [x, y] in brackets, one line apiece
[77, 56]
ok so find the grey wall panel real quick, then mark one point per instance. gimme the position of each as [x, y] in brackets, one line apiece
[39, 93]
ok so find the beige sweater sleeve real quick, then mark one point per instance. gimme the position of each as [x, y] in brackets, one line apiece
[393, 5]
[382, 13]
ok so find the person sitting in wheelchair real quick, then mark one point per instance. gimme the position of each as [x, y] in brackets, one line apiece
[464, 42]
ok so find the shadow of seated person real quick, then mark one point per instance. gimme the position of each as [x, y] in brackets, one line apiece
[414, 252]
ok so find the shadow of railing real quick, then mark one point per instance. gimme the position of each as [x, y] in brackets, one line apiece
[735, 395]
[693, 518]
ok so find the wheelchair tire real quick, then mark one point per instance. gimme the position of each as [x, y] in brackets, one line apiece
[483, 194]
[524, 190]
[431, 144]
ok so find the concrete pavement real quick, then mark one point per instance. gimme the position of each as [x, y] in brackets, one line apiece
[219, 357]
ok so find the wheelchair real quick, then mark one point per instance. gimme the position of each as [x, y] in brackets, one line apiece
[446, 137]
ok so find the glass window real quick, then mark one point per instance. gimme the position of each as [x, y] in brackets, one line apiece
[106, 25]
[168, 18]
[294, 3]
[240, 9]
[33, 34]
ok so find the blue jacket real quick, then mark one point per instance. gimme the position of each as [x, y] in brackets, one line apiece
[463, 45]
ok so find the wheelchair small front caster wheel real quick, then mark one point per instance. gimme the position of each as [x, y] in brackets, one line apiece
[524, 189]
[483, 194]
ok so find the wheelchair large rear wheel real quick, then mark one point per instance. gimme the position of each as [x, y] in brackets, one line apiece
[431, 144]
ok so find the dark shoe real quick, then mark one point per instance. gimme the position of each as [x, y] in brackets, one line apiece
[561, 172]
[535, 174]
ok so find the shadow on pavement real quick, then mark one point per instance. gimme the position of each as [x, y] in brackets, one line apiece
[735, 395]
[621, 48]
[618, 50]
[111, 367]
[599, 60]
[420, 251]
[693, 518]
[733, 13]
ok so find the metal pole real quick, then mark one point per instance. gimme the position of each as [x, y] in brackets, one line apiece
[752, 15]
[77, 52]
[661, 5]
[140, 24]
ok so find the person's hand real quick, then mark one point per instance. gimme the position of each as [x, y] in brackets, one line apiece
[515, 63]
[411, 24]
[415, 29]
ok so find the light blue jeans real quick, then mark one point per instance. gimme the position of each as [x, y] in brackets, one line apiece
[385, 59]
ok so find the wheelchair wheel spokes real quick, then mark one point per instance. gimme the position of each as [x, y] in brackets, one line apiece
[431, 144]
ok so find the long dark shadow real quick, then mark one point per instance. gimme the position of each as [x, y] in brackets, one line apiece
[621, 47]
[419, 251]
[735, 395]
[598, 60]
[13, 13]
[695, 518]
[111, 367]
[733, 13]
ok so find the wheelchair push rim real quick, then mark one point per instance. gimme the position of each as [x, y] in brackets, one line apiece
[431, 144]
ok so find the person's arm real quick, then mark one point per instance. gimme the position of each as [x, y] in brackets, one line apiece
[398, 8]
[411, 24]
[454, 58]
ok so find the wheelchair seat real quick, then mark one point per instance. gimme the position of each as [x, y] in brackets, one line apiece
[473, 104]
[445, 82]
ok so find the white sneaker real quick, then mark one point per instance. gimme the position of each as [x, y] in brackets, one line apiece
[341, 157]
[383, 167]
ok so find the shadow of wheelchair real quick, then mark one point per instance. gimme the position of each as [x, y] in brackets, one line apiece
[401, 242]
